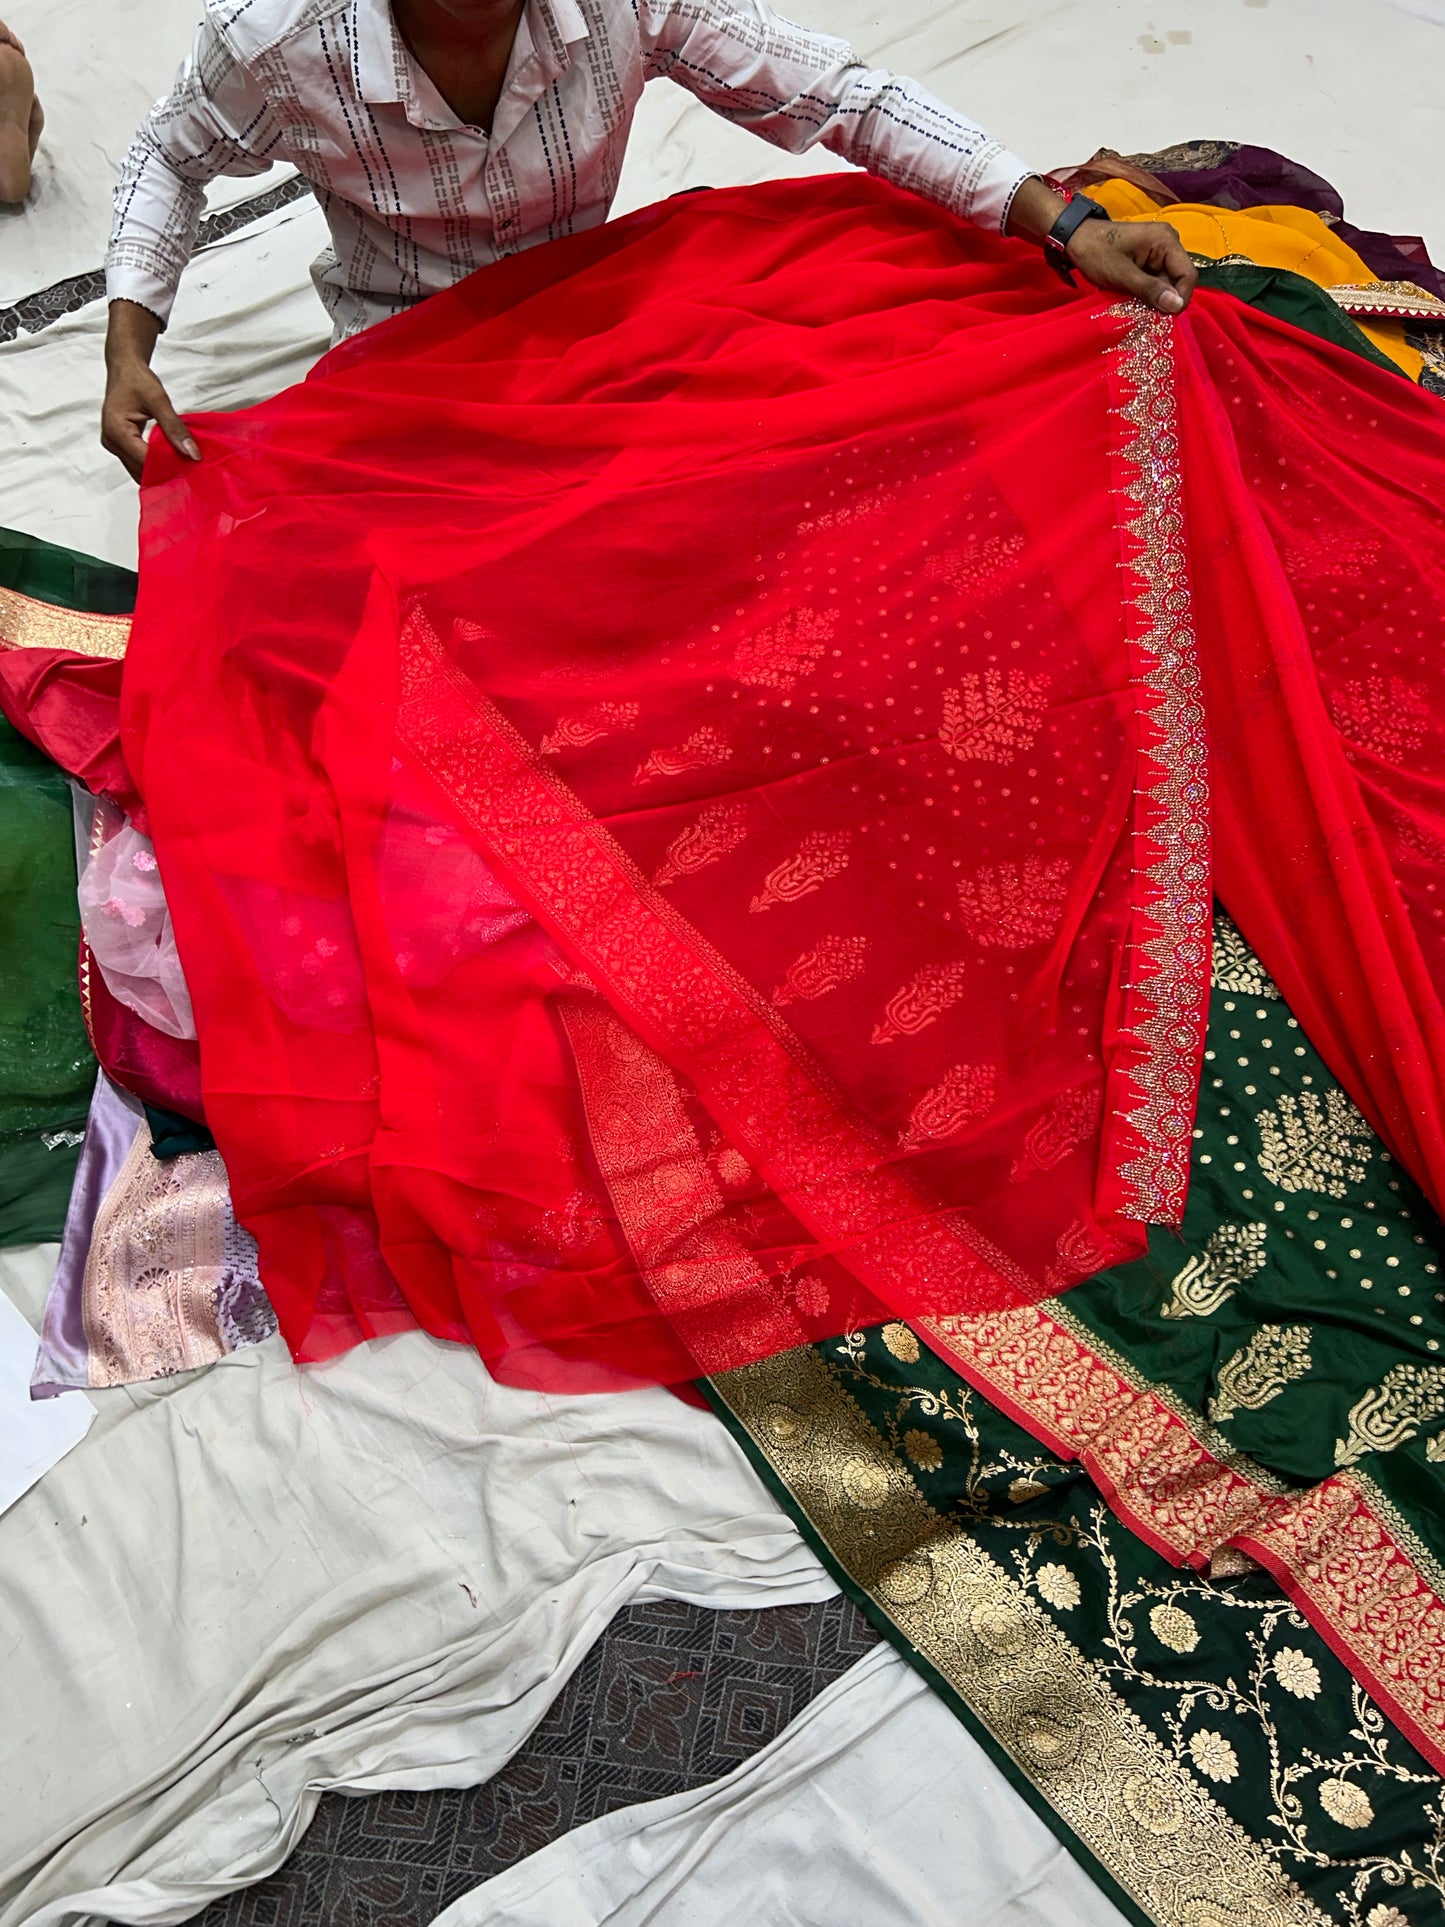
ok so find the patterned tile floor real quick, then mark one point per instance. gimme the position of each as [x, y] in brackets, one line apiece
[670, 1697]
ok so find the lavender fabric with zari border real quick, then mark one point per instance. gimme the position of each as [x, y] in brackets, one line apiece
[155, 1275]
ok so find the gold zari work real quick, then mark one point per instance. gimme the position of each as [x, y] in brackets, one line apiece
[1145, 1817]
[28, 624]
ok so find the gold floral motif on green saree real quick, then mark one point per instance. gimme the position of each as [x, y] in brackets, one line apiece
[1231, 1254]
[1207, 1752]
[1260, 1370]
[1408, 1398]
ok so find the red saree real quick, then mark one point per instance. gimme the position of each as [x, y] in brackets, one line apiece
[680, 774]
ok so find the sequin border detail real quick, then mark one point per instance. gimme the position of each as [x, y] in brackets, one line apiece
[1154, 1082]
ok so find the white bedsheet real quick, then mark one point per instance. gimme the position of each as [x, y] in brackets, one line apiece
[875, 1808]
[250, 1585]
[33, 1436]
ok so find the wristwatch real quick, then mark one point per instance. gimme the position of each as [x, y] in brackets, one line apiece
[1056, 241]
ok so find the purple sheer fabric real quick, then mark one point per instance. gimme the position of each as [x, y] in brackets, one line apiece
[1258, 177]
[115, 1121]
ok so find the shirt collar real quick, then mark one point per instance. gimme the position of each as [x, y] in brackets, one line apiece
[387, 73]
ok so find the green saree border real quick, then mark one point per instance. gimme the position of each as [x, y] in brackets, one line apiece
[877, 1615]
[1140, 1824]
[1293, 298]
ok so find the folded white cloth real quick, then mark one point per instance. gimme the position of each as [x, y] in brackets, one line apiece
[875, 1808]
[250, 1585]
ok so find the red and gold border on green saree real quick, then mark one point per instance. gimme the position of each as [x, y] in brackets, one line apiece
[1190, 1738]
[1340, 1550]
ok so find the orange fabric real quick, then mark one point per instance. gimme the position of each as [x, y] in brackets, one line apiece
[1271, 237]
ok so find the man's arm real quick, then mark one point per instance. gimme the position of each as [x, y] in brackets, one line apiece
[214, 121]
[800, 89]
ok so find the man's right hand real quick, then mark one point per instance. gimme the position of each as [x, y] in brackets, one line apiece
[134, 396]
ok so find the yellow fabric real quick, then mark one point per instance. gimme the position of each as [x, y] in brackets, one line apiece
[1271, 237]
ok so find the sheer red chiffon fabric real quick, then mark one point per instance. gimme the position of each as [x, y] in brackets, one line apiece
[680, 773]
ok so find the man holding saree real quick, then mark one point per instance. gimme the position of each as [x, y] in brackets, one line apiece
[441, 135]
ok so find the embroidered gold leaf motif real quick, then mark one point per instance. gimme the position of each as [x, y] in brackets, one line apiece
[1009, 906]
[1212, 1754]
[1151, 1803]
[835, 961]
[1082, 1249]
[1231, 1254]
[1021, 1491]
[1385, 714]
[1313, 1143]
[976, 568]
[718, 829]
[1174, 1628]
[1260, 1370]
[924, 1450]
[1297, 1673]
[603, 719]
[1408, 1398]
[810, 1295]
[902, 1343]
[704, 749]
[821, 856]
[993, 718]
[1234, 966]
[965, 1093]
[776, 657]
[1059, 1587]
[913, 1008]
[1435, 1449]
[1069, 1122]
[1383, 1916]
[1346, 1804]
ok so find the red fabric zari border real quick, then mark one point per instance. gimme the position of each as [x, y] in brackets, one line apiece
[687, 1002]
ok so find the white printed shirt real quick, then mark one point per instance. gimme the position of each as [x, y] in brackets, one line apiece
[415, 199]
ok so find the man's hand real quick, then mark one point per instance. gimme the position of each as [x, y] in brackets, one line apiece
[134, 396]
[1143, 258]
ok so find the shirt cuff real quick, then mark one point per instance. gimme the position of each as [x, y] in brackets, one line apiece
[994, 190]
[129, 281]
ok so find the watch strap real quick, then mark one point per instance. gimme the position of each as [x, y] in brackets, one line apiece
[1056, 242]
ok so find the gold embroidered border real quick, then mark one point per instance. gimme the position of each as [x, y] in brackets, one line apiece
[1162, 1469]
[28, 624]
[1145, 1818]
[681, 995]
[1166, 976]
[1396, 299]
[667, 1200]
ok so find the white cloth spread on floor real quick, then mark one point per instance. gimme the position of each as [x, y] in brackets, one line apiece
[250, 1585]
[875, 1808]
[33, 1438]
